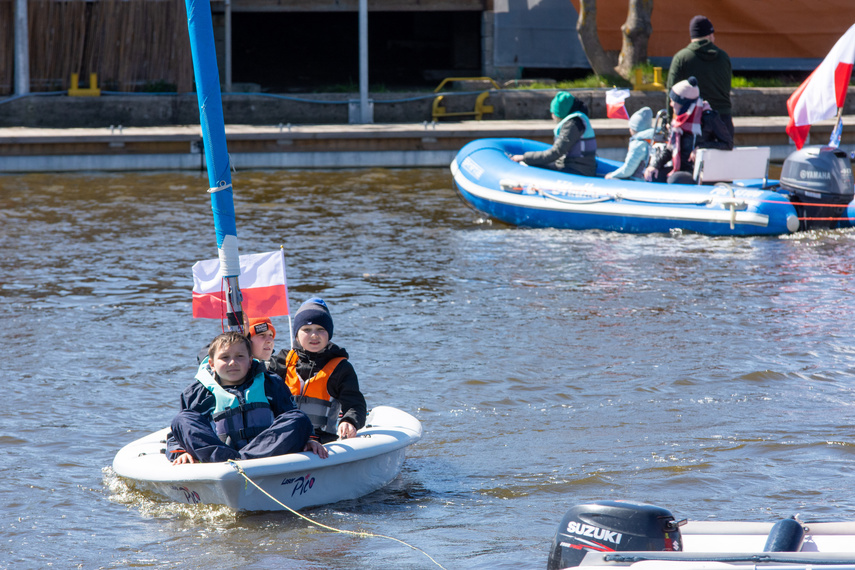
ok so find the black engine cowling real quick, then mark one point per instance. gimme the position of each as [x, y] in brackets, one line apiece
[612, 526]
[819, 182]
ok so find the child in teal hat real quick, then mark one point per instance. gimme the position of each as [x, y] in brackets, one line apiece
[561, 104]
[575, 146]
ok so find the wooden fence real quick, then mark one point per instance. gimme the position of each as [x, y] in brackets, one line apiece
[133, 45]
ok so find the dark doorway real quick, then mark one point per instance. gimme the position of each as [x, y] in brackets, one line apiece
[312, 51]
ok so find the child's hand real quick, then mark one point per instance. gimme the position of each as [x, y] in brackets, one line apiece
[184, 458]
[650, 173]
[316, 448]
[346, 430]
[517, 158]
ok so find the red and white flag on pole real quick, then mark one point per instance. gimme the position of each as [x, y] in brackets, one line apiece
[262, 283]
[615, 108]
[819, 97]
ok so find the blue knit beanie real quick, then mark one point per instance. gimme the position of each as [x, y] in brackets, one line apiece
[313, 312]
[561, 104]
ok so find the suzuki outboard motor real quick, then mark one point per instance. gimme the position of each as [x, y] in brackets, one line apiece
[818, 175]
[612, 526]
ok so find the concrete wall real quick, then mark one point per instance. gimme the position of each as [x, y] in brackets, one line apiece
[255, 109]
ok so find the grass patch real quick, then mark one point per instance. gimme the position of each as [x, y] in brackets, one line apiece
[759, 79]
[739, 82]
[589, 82]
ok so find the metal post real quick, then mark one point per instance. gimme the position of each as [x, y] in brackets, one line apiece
[228, 47]
[837, 133]
[22, 49]
[203, 48]
[364, 114]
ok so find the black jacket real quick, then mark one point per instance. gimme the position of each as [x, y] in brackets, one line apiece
[343, 385]
[556, 157]
[714, 134]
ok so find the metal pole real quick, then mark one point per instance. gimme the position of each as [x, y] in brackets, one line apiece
[202, 46]
[363, 62]
[22, 49]
[837, 133]
[228, 47]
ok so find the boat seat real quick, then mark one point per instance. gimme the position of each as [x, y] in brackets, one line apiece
[713, 165]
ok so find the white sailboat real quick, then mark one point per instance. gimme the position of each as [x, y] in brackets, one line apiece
[355, 467]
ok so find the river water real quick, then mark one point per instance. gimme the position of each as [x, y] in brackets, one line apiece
[710, 376]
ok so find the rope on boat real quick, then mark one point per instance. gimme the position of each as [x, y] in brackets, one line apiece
[618, 197]
[730, 204]
[698, 202]
[240, 470]
[569, 201]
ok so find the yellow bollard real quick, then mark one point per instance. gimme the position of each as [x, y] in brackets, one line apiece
[657, 84]
[91, 91]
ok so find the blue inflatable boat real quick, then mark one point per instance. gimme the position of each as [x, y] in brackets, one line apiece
[521, 195]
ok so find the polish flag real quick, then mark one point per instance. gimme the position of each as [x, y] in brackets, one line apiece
[262, 284]
[824, 92]
[615, 108]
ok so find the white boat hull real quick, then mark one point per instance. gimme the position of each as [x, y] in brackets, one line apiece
[355, 467]
[736, 537]
[733, 544]
[637, 535]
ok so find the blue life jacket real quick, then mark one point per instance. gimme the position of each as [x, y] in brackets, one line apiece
[237, 418]
[587, 144]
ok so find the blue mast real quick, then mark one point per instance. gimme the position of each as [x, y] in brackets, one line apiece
[201, 30]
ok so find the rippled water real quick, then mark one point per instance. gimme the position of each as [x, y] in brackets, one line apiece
[710, 376]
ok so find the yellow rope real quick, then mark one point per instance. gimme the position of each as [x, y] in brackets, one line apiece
[240, 470]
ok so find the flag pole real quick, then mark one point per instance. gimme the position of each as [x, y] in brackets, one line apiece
[290, 326]
[837, 133]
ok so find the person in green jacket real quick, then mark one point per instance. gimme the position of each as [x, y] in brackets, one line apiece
[708, 63]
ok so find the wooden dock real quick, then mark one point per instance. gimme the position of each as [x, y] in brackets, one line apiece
[321, 146]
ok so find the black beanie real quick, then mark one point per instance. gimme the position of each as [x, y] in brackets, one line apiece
[313, 312]
[700, 27]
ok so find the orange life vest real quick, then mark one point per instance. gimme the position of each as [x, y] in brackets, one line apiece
[312, 395]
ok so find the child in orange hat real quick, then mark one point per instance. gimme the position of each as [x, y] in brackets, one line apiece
[261, 333]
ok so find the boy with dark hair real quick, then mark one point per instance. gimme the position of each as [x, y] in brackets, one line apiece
[236, 409]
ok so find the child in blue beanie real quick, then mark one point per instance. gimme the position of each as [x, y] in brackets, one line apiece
[320, 376]
[575, 147]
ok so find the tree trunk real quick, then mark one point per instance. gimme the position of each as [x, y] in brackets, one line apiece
[602, 62]
[636, 35]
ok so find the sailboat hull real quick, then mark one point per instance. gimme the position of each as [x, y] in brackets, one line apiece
[354, 468]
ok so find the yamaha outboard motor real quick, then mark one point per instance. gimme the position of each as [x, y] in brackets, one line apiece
[612, 526]
[820, 185]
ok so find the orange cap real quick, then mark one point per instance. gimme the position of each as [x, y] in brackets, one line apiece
[260, 325]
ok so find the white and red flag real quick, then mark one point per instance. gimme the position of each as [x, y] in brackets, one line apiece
[824, 91]
[615, 107]
[262, 283]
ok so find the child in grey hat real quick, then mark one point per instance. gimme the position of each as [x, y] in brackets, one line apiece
[640, 137]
